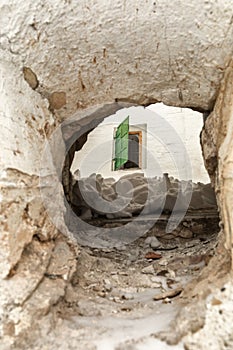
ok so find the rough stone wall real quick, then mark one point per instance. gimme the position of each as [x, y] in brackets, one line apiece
[217, 143]
[25, 122]
[61, 56]
[29, 241]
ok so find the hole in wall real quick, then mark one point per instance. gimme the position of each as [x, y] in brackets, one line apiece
[133, 266]
[149, 263]
[164, 160]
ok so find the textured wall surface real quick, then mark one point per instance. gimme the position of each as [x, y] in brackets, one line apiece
[87, 53]
[217, 141]
[57, 57]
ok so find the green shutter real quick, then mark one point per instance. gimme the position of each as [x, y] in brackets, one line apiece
[121, 144]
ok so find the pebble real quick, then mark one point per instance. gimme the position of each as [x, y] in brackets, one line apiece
[166, 301]
[168, 294]
[117, 300]
[148, 240]
[163, 262]
[132, 259]
[148, 270]
[123, 273]
[107, 285]
[185, 233]
[106, 281]
[96, 288]
[156, 279]
[171, 273]
[186, 224]
[162, 281]
[197, 229]
[153, 256]
[122, 248]
[154, 243]
[127, 296]
[156, 284]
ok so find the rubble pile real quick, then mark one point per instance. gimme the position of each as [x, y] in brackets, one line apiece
[136, 194]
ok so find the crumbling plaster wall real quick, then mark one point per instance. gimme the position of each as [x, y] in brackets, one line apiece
[78, 55]
[30, 244]
[144, 51]
[217, 143]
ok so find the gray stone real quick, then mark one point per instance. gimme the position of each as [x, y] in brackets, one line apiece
[148, 240]
[107, 285]
[185, 233]
[148, 270]
[154, 243]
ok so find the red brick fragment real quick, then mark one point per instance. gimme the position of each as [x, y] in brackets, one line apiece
[153, 255]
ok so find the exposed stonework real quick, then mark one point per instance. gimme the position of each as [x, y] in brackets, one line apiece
[34, 286]
[217, 142]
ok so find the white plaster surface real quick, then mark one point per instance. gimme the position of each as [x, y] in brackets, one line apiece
[143, 51]
[167, 134]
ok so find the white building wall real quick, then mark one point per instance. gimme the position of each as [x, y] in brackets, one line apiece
[170, 143]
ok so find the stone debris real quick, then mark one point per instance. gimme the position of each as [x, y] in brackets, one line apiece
[153, 256]
[110, 288]
[155, 243]
[163, 262]
[107, 285]
[168, 294]
[127, 296]
[147, 241]
[148, 270]
[133, 193]
[160, 281]
[186, 233]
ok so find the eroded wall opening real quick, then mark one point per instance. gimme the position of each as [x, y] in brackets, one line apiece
[149, 265]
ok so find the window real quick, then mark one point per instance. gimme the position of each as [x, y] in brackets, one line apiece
[134, 146]
[127, 147]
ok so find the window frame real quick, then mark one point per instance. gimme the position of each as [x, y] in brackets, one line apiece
[134, 132]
